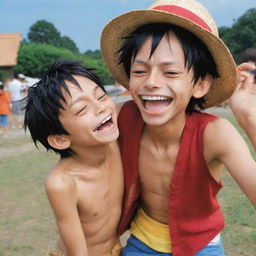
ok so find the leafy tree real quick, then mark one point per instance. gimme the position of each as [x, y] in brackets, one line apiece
[102, 71]
[93, 54]
[5, 73]
[67, 43]
[44, 32]
[34, 60]
[242, 34]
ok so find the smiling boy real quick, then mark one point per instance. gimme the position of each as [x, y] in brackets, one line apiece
[174, 64]
[69, 113]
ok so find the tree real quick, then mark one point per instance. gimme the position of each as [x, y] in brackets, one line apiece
[34, 59]
[67, 43]
[93, 54]
[242, 34]
[44, 32]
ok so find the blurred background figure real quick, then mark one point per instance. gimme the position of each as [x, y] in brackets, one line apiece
[18, 90]
[5, 109]
[24, 85]
[249, 55]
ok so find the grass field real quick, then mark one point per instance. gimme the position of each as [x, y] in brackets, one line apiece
[27, 225]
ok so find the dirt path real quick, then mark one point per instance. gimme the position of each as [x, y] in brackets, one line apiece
[12, 149]
[18, 150]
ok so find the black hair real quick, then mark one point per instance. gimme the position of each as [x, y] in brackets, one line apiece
[197, 56]
[45, 99]
[248, 55]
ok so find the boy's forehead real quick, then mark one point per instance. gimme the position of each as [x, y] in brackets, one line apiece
[169, 49]
[169, 37]
[82, 83]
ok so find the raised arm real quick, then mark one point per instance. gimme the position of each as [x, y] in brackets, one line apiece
[243, 101]
[223, 142]
[62, 195]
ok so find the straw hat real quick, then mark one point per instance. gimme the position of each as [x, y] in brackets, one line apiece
[189, 15]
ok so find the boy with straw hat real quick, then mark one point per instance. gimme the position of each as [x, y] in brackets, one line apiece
[172, 61]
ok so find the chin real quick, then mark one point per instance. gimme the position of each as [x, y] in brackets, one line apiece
[154, 121]
[111, 137]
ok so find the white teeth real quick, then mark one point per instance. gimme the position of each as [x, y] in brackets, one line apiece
[155, 97]
[107, 119]
[103, 122]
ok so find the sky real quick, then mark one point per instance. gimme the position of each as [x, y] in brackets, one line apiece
[83, 20]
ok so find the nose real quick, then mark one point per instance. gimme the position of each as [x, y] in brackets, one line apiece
[99, 107]
[153, 80]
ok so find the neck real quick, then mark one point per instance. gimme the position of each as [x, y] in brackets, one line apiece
[93, 156]
[168, 134]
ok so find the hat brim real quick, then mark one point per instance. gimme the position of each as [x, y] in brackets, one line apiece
[120, 27]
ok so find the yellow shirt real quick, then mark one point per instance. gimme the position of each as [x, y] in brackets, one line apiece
[151, 232]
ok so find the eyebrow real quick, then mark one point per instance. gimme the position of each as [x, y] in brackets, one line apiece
[165, 63]
[80, 98]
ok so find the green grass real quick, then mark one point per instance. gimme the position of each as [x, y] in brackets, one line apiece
[27, 225]
[26, 222]
[240, 230]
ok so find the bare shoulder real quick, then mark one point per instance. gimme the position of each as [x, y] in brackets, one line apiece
[61, 192]
[218, 126]
[221, 137]
[59, 181]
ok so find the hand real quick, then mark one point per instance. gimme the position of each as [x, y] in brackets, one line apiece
[243, 100]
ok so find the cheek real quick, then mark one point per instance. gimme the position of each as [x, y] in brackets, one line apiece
[133, 82]
[132, 87]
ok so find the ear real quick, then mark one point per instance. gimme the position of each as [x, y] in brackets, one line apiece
[202, 87]
[60, 142]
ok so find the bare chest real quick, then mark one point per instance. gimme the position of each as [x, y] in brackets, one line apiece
[101, 194]
[156, 168]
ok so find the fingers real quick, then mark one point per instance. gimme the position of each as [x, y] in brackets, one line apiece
[246, 66]
[244, 78]
[249, 84]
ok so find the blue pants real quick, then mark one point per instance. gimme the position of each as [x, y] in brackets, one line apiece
[3, 120]
[135, 247]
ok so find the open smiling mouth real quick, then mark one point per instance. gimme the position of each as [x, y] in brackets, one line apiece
[105, 124]
[156, 103]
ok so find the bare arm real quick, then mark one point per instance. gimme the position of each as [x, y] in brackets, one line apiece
[61, 193]
[222, 141]
[243, 101]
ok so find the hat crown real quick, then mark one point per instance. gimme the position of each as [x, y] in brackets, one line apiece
[192, 6]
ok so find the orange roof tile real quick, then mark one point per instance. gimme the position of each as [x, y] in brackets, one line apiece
[9, 46]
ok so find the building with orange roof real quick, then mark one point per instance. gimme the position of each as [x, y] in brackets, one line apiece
[9, 47]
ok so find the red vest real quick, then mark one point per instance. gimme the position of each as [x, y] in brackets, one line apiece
[194, 214]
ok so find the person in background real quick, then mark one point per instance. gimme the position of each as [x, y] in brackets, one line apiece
[16, 89]
[22, 78]
[249, 56]
[5, 109]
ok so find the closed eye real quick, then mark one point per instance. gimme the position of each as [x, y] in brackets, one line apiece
[171, 73]
[81, 111]
[138, 71]
[102, 96]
